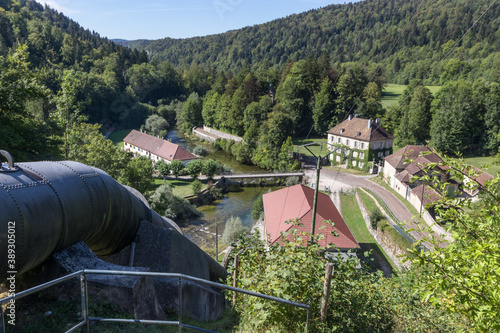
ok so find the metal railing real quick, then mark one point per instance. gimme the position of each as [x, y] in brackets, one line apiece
[86, 319]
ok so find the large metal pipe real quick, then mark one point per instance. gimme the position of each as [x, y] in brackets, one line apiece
[48, 206]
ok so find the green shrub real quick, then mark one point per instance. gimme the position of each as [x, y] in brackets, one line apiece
[233, 229]
[200, 151]
[375, 216]
[197, 185]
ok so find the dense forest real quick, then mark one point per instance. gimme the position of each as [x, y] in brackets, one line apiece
[71, 75]
[408, 38]
[62, 87]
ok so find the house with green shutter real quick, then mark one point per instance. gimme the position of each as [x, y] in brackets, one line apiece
[358, 141]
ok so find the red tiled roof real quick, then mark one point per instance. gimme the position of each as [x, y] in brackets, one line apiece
[296, 202]
[482, 176]
[162, 148]
[397, 160]
[429, 194]
[357, 128]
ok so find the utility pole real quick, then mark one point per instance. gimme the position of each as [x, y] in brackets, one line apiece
[319, 159]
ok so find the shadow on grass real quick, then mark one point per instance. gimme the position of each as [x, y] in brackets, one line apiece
[376, 260]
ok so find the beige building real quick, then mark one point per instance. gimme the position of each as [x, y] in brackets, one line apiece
[142, 144]
[359, 141]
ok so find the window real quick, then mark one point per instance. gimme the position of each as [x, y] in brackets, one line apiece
[360, 164]
[362, 146]
[355, 144]
[340, 140]
[361, 155]
[380, 154]
[347, 142]
[386, 153]
[332, 139]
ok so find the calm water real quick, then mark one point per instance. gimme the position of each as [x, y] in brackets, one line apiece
[238, 202]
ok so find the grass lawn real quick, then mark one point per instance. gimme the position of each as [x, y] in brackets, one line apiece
[180, 187]
[318, 150]
[118, 136]
[356, 223]
[347, 170]
[479, 162]
[392, 92]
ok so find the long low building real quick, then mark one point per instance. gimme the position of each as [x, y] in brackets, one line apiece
[154, 148]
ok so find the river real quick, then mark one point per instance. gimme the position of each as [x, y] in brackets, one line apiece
[238, 202]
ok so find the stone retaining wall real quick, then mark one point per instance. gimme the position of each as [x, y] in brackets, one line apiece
[222, 135]
[384, 240]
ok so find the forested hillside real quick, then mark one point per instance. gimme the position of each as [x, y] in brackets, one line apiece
[408, 37]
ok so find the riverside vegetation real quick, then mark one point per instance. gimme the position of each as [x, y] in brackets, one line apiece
[63, 82]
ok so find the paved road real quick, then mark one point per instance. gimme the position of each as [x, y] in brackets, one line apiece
[338, 181]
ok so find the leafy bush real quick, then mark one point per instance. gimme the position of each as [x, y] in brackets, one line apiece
[165, 203]
[290, 181]
[216, 192]
[375, 216]
[295, 271]
[194, 168]
[197, 185]
[233, 229]
[200, 151]
[257, 209]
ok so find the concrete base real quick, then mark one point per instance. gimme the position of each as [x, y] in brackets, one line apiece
[133, 294]
[174, 253]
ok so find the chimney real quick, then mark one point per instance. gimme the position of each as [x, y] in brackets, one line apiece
[350, 116]
[369, 123]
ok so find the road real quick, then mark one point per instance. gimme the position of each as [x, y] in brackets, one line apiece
[338, 181]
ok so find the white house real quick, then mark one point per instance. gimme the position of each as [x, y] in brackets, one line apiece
[154, 148]
[361, 140]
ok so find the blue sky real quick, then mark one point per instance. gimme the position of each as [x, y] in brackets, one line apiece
[155, 19]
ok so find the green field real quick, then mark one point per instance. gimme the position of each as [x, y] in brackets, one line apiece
[318, 149]
[480, 162]
[118, 136]
[356, 223]
[180, 187]
[392, 92]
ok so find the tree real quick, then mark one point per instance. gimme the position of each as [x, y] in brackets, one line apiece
[324, 107]
[87, 145]
[258, 209]
[197, 185]
[414, 126]
[156, 125]
[210, 168]
[463, 276]
[456, 125]
[193, 168]
[163, 168]
[372, 108]
[274, 132]
[177, 168]
[69, 105]
[139, 174]
[491, 101]
[233, 229]
[190, 115]
[165, 203]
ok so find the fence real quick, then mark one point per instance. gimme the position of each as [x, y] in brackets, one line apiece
[86, 319]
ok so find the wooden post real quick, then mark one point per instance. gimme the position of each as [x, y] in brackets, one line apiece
[235, 275]
[326, 290]
[225, 261]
